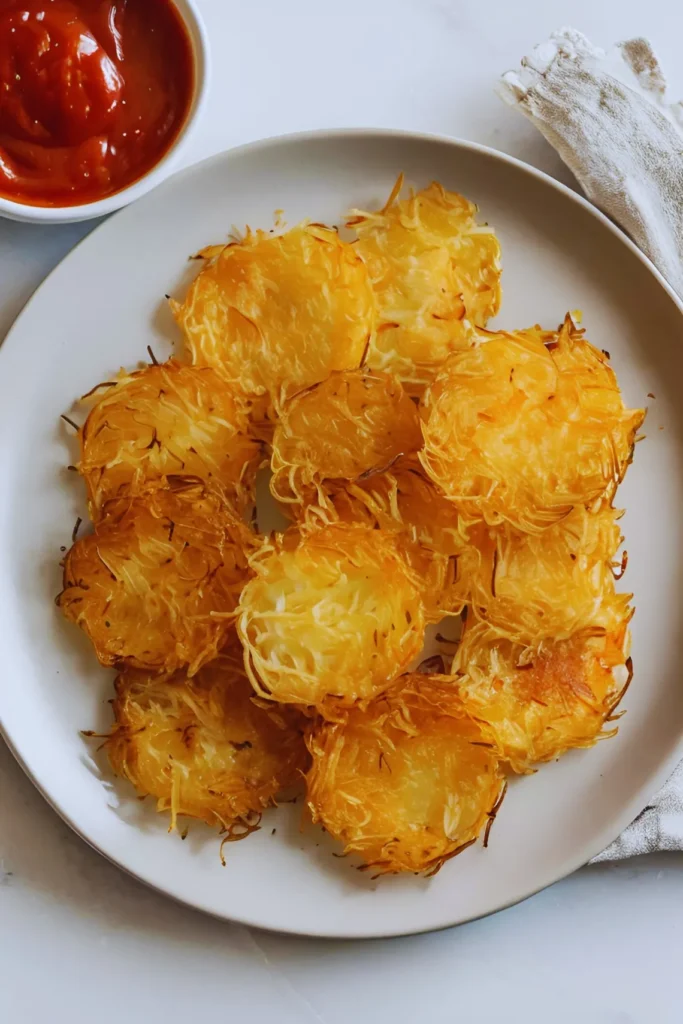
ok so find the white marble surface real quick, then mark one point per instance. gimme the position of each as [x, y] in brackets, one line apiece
[81, 941]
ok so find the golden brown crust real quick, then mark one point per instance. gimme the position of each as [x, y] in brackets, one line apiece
[166, 420]
[331, 617]
[349, 426]
[435, 272]
[155, 585]
[406, 783]
[274, 314]
[201, 747]
[431, 468]
[433, 534]
[553, 584]
[538, 702]
[521, 428]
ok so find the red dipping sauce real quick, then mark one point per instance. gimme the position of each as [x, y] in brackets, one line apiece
[93, 93]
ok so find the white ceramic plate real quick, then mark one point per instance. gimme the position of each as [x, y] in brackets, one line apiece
[101, 308]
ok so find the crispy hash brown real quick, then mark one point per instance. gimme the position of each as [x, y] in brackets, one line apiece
[533, 586]
[402, 499]
[349, 425]
[523, 427]
[154, 585]
[407, 782]
[435, 271]
[166, 420]
[275, 314]
[332, 617]
[539, 702]
[201, 747]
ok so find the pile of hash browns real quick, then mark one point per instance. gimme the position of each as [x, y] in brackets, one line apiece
[430, 469]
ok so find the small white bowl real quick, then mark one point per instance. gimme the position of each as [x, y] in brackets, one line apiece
[194, 24]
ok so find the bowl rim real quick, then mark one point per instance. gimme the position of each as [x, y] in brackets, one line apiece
[193, 22]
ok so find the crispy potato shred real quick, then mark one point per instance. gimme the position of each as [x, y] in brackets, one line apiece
[275, 314]
[166, 421]
[201, 747]
[346, 428]
[407, 782]
[330, 618]
[155, 584]
[430, 530]
[430, 468]
[436, 274]
[537, 702]
[523, 429]
[532, 586]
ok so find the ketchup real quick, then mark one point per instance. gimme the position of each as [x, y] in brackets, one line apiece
[93, 93]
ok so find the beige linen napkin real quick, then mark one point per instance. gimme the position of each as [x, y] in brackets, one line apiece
[607, 115]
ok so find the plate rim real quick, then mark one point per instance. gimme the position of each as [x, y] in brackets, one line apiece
[656, 778]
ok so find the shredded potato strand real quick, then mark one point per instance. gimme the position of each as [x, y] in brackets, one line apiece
[275, 314]
[332, 617]
[533, 586]
[538, 702]
[435, 272]
[200, 746]
[163, 421]
[351, 424]
[154, 586]
[407, 782]
[521, 428]
[433, 534]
